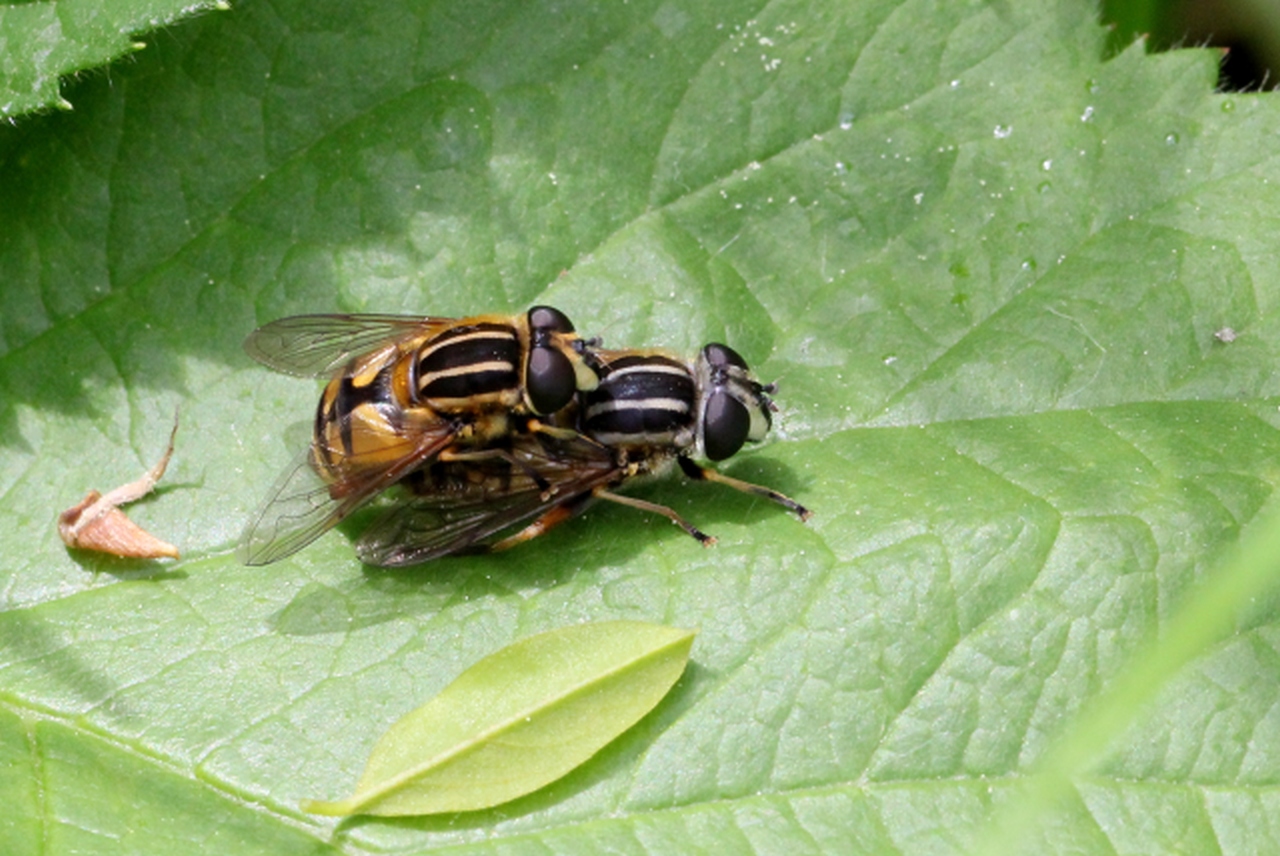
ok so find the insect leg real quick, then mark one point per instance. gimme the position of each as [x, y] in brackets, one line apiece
[563, 434]
[703, 538]
[536, 426]
[548, 521]
[700, 473]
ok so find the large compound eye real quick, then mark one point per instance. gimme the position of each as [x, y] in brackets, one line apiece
[545, 318]
[722, 356]
[725, 425]
[550, 381]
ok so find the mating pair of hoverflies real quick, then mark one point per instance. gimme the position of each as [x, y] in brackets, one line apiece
[484, 424]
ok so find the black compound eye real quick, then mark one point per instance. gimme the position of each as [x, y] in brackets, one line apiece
[725, 425]
[720, 356]
[545, 318]
[550, 381]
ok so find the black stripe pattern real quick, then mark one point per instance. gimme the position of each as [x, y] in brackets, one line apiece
[471, 361]
[641, 400]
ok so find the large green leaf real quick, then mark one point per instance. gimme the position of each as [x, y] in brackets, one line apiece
[42, 40]
[986, 266]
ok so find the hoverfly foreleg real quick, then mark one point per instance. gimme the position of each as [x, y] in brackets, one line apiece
[700, 473]
[703, 538]
[556, 432]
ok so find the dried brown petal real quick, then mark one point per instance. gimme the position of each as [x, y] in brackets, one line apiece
[96, 523]
[110, 531]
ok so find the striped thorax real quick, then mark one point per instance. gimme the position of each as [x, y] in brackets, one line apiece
[653, 400]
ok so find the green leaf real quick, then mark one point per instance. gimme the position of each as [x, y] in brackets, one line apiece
[1203, 620]
[519, 719]
[41, 42]
[986, 266]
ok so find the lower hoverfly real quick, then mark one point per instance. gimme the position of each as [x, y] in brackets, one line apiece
[651, 409]
[405, 391]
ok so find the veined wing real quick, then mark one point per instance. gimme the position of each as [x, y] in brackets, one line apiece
[301, 506]
[318, 345]
[451, 506]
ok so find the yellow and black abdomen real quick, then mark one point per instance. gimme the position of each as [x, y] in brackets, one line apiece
[364, 417]
[458, 386]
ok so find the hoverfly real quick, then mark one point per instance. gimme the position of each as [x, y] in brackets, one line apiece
[650, 409]
[404, 391]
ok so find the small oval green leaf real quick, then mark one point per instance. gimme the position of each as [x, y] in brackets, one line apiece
[519, 719]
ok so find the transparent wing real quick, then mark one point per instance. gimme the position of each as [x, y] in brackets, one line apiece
[450, 506]
[298, 510]
[318, 345]
[415, 532]
[301, 506]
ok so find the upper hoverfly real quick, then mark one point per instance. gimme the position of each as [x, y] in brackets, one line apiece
[650, 409]
[405, 391]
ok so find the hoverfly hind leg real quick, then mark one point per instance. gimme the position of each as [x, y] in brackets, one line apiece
[700, 473]
[549, 520]
[703, 538]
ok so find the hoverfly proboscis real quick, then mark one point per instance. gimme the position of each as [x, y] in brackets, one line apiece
[650, 409]
[405, 391]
